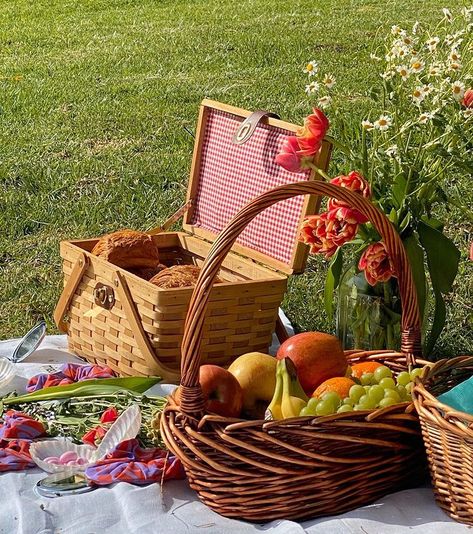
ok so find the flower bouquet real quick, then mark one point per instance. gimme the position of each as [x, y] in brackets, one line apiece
[406, 159]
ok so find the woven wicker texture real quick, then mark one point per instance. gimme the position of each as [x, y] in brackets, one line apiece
[241, 315]
[448, 437]
[301, 467]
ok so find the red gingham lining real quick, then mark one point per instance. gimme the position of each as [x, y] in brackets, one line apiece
[231, 175]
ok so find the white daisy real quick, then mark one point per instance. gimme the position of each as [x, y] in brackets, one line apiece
[418, 95]
[396, 30]
[427, 88]
[311, 68]
[407, 41]
[454, 56]
[324, 101]
[449, 39]
[400, 51]
[312, 87]
[447, 14]
[435, 70]
[424, 118]
[455, 66]
[388, 75]
[391, 151]
[415, 27]
[458, 90]
[383, 123]
[417, 65]
[432, 43]
[367, 125]
[329, 81]
[467, 113]
[374, 57]
[403, 71]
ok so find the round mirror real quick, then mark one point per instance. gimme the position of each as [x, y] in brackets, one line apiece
[29, 343]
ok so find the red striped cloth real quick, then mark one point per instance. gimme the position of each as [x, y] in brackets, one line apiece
[128, 462]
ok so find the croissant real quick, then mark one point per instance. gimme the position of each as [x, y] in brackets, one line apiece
[128, 249]
[178, 276]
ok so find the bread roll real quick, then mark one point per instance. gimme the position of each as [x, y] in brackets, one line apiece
[178, 276]
[128, 249]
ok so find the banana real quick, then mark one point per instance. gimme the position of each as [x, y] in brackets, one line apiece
[274, 411]
[293, 396]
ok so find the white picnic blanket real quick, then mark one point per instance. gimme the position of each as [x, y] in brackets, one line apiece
[124, 508]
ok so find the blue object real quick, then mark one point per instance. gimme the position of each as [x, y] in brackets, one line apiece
[460, 397]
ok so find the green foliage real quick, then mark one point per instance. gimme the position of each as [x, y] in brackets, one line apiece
[95, 98]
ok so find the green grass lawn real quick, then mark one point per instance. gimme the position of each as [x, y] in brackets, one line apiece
[95, 97]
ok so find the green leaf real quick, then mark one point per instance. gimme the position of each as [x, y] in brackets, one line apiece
[442, 257]
[332, 280]
[415, 253]
[442, 260]
[88, 388]
[440, 314]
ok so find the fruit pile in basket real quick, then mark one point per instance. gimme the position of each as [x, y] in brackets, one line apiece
[310, 376]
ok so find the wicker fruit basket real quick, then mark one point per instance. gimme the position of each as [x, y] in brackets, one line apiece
[448, 437]
[300, 467]
[118, 319]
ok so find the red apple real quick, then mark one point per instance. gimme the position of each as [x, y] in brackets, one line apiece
[221, 390]
[317, 357]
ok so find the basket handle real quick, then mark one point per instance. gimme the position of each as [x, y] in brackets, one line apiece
[192, 401]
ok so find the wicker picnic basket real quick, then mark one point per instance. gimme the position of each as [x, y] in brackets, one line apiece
[448, 437]
[300, 467]
[113, 317]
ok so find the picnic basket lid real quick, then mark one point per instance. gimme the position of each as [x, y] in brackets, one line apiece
[225, 176]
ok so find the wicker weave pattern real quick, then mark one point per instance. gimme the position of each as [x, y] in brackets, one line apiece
[448, 437]
[300, 467]
[241, 319]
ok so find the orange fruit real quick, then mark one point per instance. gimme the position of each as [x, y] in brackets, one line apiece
[338, 384]
[364, 367]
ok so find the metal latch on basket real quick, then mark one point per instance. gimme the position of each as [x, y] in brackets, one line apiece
[104, 296]
[248, 126]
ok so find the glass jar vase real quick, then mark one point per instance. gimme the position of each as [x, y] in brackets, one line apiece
[368, 317]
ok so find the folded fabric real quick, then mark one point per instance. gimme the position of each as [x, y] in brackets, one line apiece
[69, 373]
[16, 433]
[17, 425]
[460, 397]
[15, 455]
[128, 462]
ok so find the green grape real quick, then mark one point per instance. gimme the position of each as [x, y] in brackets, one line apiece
[366, 402]
[409, 387]
[332, 397]
[345, 408]
[403, 378]
[306, 411]
[348, 401]
[376, 393]
[387, 383]
[325, 407]
[392, 394]
[367, 379]
[382, 372]
[367, 389]
[402, 392]
[356, 392]
[416, 372]
[387, 401]
[312, 404]
[358, 408]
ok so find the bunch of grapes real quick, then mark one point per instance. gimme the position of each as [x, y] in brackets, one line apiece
[376, 390]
